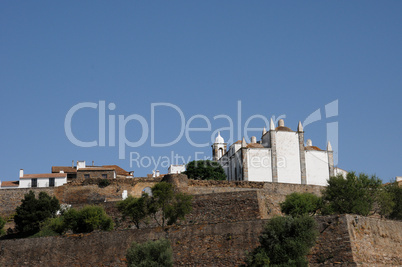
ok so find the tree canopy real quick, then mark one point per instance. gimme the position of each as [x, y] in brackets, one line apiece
[165, 206]
[205, 170]
[297, 204]
[285, 241]
[354, 194]
[34, 211]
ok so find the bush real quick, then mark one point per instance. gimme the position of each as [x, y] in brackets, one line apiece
[297, 204]
[355, 194]
[34, 211]
[150, 254]
[205, 170]
[103, 183]
[285, 241]
[2, 223]
[86, 220]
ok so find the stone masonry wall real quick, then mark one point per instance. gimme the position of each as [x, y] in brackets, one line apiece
[375, 241]
[10, 199]
[220, 244]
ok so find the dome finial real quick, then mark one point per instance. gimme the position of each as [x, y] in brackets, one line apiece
[219, 139]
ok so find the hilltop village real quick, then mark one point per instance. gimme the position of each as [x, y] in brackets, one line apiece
[227, 217]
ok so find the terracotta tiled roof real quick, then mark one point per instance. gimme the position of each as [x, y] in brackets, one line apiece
[10, 184]
[44, 175]
[95, 169]
[312, 148]
[255, 145]
[64, 168]
[119, 170]
[237, 142]
[283, 128]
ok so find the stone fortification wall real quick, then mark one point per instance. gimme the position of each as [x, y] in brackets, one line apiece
[220, 244]
[343, 241]
[209, 208]
[375, 241]
[10, 199]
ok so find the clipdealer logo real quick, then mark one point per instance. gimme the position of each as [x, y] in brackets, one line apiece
[112, 127]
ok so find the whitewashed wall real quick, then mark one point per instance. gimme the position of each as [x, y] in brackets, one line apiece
[42, 182]
[259, 165]
[317, 171]
[288, 157]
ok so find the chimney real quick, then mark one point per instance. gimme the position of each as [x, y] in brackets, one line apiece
[281, 123]
[72, 165]
[253, 140]
[92, 163]
[21, 172]
[153, 173]
[309, 142]
[157, 173]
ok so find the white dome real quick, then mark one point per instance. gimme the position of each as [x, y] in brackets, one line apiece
[219, 139]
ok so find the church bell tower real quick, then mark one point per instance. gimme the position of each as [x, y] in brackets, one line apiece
[218, 148]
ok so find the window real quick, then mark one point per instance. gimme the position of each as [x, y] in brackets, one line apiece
[51, 182]
[34, 182]
[86, 176]
[104, 176]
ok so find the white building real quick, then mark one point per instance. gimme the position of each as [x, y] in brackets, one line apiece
[175, 169]
[281, 156]
[42, 180]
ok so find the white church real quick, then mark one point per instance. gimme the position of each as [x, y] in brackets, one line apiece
[281, 156]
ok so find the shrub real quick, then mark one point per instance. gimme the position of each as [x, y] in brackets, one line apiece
[2, 223]
[150, 254]
[103, 183]
[34, 211]
[297, 204]
[205, 170]
[285, 241]
[88, 219]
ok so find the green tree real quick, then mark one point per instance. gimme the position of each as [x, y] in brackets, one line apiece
[205, 170]
[395, 193]
[150, 254]
[355, 194]
[34, 211]
[2, 223]
[137, 209]
[297, 204]
[285, 241]
[172, 205]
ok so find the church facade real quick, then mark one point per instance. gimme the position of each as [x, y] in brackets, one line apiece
[281, 156]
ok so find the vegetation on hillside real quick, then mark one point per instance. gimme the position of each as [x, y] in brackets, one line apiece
[149, 254]
[86, 220]
[2, 223]
[285, 241]
[165, 206]
[34, 211]
[297, 204]
[205, 170]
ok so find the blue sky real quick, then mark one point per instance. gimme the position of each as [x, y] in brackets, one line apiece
[275, 57]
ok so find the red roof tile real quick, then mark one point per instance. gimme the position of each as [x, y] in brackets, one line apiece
[44, 175]
[67, 169]
[312, 148]
[10, 184]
